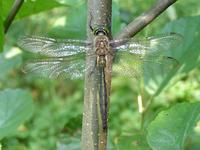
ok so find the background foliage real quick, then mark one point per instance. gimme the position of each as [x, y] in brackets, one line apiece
[37, 114]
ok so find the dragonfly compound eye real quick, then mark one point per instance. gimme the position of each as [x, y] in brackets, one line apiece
[101, 30]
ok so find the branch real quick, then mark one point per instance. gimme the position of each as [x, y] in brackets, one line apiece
[144, 19]
[93, 135]
[15, 8]
[99, 13]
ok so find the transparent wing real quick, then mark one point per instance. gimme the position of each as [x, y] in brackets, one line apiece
[52, 47]
[66, 67]
[135, 58]
[126, 65]
[153, 45]
[136, 66]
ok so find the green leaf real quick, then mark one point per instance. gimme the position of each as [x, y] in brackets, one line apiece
[30, 7]
[70, 2]
[7, 64]
[171, 127]
[187, 53]
[116, 22]
[75, 25]
[69, 143]
[15, 107]
[1, 29]
[137, 141]
[194, 143]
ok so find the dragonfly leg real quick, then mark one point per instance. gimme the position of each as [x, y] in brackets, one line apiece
[90, 23]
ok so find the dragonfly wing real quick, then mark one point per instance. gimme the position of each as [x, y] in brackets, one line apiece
[135, 57]
[66, 67]
[137, 66]
[127, 65]
[53, 47]
[157, 45]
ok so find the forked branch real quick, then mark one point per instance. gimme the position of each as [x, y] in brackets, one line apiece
[99, 13]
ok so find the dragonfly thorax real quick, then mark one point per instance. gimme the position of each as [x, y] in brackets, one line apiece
[101, 45]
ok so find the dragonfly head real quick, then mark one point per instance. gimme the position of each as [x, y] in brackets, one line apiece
[101, 29]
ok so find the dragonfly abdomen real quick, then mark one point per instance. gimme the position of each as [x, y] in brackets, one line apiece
[101, 61]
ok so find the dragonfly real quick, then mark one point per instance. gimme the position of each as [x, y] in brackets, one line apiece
[65, 58]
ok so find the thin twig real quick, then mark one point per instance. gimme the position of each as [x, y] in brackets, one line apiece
[143, 20]
[15, 8]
